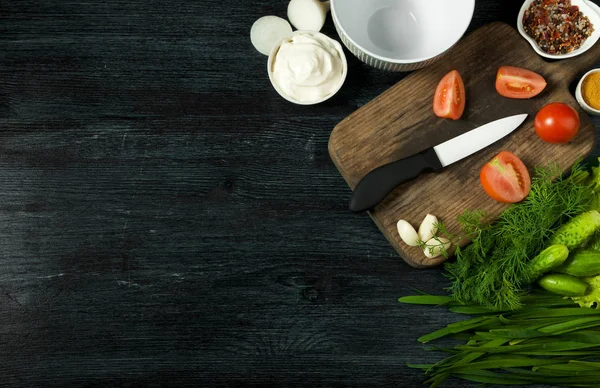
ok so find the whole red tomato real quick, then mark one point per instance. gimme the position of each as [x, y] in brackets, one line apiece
[556, 123]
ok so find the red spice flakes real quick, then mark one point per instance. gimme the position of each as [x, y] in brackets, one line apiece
[556, 25]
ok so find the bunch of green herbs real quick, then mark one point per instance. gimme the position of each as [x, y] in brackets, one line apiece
[492, 270]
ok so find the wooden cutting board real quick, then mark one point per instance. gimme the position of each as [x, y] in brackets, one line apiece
[400, 122]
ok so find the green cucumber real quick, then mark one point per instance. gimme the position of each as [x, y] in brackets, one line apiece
[577, 230]
[563, 284]
[582, 263]
[548, 259]
[594, 242]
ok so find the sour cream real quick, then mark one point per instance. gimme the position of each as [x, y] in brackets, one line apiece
[308, 67]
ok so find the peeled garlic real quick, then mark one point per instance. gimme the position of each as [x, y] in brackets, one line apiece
[435, 246]
[407, 233]
[428, 227]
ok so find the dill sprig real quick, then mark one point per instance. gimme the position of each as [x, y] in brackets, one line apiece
[492, 270]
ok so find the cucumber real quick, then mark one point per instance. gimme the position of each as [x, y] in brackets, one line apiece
[594, 242]
[548, 259]
[577, 230]
[582, 263]
[563, 284]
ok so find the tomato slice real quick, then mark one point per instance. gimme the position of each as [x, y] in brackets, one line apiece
[515, 82]
[505, 178]
[556, 123]
[449, 98]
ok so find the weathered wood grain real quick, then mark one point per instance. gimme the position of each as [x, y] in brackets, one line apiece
[400, 123]
[166, 219]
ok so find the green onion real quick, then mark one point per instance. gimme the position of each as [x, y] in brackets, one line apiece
[548, 341]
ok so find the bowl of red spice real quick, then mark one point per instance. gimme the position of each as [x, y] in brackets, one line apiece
[559, 29]
[588, 92]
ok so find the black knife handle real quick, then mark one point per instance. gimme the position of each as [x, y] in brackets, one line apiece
[373, 188]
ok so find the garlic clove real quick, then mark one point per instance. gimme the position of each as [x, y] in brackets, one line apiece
[436, 246]
[428, 227]
[407, 233]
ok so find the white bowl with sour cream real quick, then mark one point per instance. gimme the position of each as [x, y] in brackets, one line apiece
[307, 67]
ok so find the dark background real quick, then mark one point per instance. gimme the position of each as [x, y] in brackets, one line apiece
[167, 219]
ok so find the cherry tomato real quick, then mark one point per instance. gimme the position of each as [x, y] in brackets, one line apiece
[449, 98]
[505, 178]
[515, 82]
[556, 123]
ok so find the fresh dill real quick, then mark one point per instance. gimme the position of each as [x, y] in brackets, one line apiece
[492, 269]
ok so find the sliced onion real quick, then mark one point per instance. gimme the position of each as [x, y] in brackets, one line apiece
[267, 31]
[308, 14]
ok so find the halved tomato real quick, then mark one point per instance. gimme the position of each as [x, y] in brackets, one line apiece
[515, 82]
[505, 178]
[449, 98]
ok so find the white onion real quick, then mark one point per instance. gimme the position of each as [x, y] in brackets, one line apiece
[267, 31]
[308, 14]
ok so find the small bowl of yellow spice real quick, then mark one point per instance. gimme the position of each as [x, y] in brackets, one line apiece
[588, 92]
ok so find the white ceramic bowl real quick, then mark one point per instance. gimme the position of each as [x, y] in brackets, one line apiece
[338, 48]
[579, 96]
[401, 35]
[589, 9]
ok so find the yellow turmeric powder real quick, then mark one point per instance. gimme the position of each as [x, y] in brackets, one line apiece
[590, 90]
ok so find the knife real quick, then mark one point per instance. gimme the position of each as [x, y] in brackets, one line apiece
[373, 188]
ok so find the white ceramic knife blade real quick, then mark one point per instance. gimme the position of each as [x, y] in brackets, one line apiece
[476, 139]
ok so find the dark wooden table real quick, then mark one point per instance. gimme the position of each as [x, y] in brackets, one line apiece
[166, 219]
